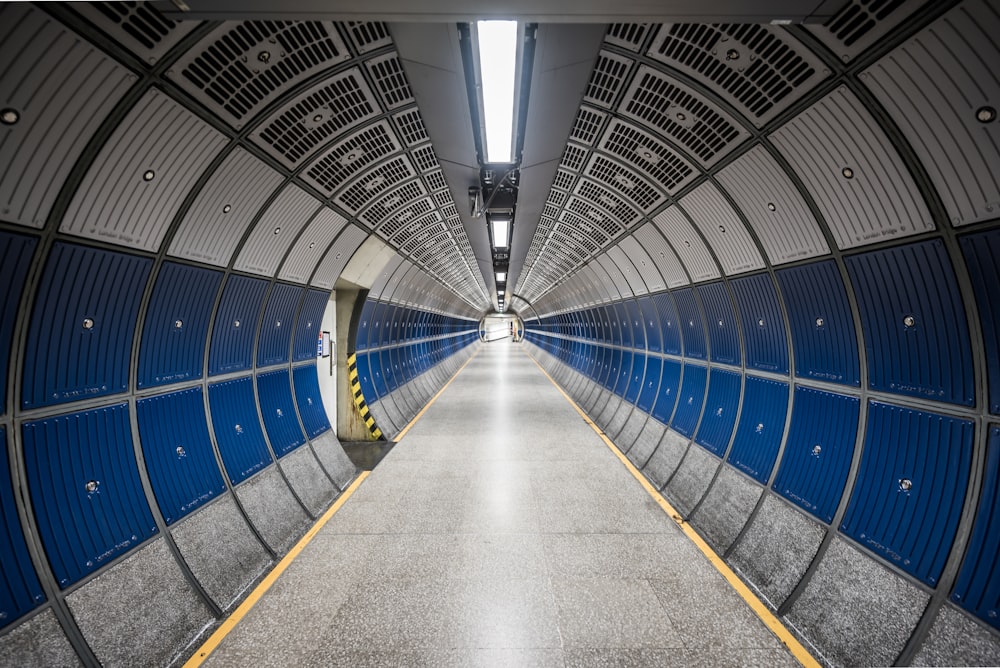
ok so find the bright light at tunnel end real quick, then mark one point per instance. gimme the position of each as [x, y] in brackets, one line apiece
[497, 65]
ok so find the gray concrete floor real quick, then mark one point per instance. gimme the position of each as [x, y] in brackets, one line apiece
[500, 531]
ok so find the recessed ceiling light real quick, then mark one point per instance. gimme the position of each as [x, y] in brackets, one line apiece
[732, 54]
[847, 172]
[277, 230]
[227, 208]
[983, 114]
[771, 206]
[9, 116]
[498, 67]
[148, 175]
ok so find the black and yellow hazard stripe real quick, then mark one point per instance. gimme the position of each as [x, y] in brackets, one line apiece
[359, 399]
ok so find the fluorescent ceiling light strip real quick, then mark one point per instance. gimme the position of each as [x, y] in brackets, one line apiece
[497, 64]
[500, 228]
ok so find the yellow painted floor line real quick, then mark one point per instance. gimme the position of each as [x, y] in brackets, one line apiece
[800, 653]
[400, 435]
[230, 622]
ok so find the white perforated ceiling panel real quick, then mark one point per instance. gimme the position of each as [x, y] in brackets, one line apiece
[689, 246]
[139, 180]
[224, 209]
[275, 231]
[853, 173]
[934, 86]
[774, 207]
[338, 256]
[311, 245]
[71, 88]
[725, 232]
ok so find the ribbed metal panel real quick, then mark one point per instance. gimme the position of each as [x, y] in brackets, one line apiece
[689, 401]
[691, 324]
[277, 324]
[762, 424]
[860, 23]
[720, 321]
[651, 323]
[311, 245]
[650, 384]
[688, 245]
[276, 230]
[176, 324]
[933, 86]
[774, 207]
[235, 325]
[178, 452]
[635, 379]
[315, 117]
[224, 209]
[813, 469]
[274, 391]
[15, 257]
[237, 428]
[666, 263]
[241, 66]
[138, 26]
[853, 172]
[911, 486]
[615, 274]
[19, 587]
[670, 323]
[721, 406]
[140, 178]
[309, 401]
[723, 229]
[309, 325]
[648, 279]
[62, 88]
[338, 256]
[982, 257]
[85, 490]
[762, 322]
[914, 324]
[80, 337]
[682, 115]
[762, 69]
[978, 586]
[822, 325]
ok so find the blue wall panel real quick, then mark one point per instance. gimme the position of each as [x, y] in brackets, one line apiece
[821, 322]
[85, 489]
[669, 390]
[377, 327]
[916, 334]
[670, 328]
[237, 428]
[762, 424]
[277, 325]
[378, 382]
[635, 377]
[978, 586]
[650, 384]
[817, 457]
[19, 587]
[80, 338]
[689, 318]
[720, 321]
[176, 324]
[15, 258]
[309, 325]
[691, 398]
[364, 326]
[235, 325]
[908, 497]
[309, 401]
[274, 389]
[178, 452]
[982, 256]
[651, 323]
[763, 323]
[721, 406]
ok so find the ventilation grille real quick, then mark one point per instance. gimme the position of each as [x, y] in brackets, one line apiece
[629, 36]
[860, 23]
[411, 127]
[241, 66]
[606, 81]
[320, 114]
[587, 217]
[425, 158]
[374, 183]
[563, 180]
[556, 199]
[367, 37]
[573, 157]
[390, 80]
[138, 26]
[762, 69]
[381, 209]
[352, 155]
[682, 115]
[587, 125]
[436, 181]
[624, 181]
[607, 200]
[652, 157]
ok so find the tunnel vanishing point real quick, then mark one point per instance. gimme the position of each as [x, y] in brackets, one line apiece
[758, 243]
